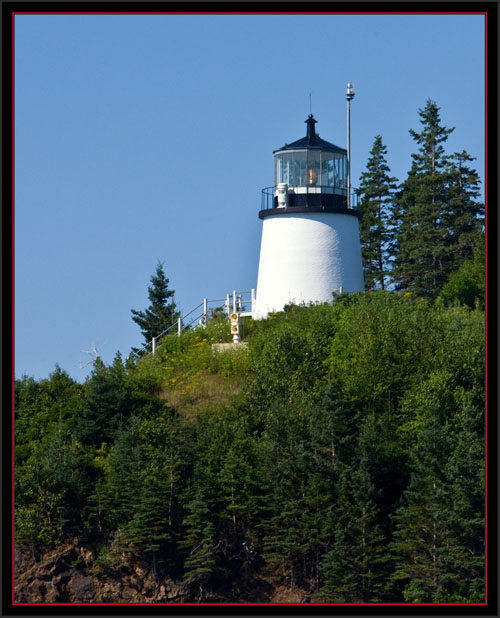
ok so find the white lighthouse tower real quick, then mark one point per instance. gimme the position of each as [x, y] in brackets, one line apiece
[310, 245]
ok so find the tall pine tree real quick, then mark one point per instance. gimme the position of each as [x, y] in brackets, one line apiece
[464, 213]
[377, 189]
[422, 253]
[161, 313]
[148, 529]
[201, 562]
[107, 403]
[438, 542]
[354, 569]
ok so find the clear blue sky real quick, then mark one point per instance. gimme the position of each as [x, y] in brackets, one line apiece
[141, 138]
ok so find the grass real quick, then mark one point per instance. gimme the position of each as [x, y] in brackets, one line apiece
[190, 375]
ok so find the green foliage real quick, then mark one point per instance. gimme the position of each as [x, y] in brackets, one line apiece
[438, 544]
[355, 569]
[341, 451]
[421, 252]
[50, 484]
[287, 353]
[41, 408]
[201, 562]
[218, 329]
[377, 194]
[467, 285]
[161, 313]
[437, 214]
[464, 214]
[381, 343]
[111, 397]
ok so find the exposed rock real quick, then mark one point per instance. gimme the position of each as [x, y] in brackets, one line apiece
[71, 575]
[81, 588]
[87, 556]
[283, 594]
[38, 588]
[129, 595]
[53, 594]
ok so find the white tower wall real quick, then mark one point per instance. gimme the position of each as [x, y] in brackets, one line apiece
[304, 257]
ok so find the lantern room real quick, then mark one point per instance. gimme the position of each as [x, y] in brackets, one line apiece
[311, 162]
[308, 173]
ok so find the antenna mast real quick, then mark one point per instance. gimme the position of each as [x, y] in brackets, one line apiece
[349, 97]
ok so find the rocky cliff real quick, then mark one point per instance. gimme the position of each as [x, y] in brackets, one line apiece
[70, 575]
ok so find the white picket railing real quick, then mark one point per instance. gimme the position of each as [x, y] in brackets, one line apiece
[233, 303]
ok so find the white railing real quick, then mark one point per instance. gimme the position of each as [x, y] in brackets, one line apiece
[236, 302]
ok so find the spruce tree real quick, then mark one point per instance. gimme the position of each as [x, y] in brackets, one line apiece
[464, 213]
[107, 402]
[438, 543]
[421, 532]
[467, 285]
[201, 562]
[286, 464]
[239, 487]
[118, 495]
[422, 253]
[161, 313]
[377, 189]
[355, 568]
[148, 529]
[465, 472]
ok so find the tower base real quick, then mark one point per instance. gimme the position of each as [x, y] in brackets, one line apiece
[306, 257]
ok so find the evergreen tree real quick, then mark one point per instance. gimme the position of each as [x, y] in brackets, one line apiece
[44, 407]
[118, 494]
[306, 448]
[166, 463]
[377, 193]
[107, 403]
[239, 488]
[465, 472]
[467, 285]
[439, 546]
[355, 568]
[148, 528]
[464, 214]
[161, 313]
[421, 531]
[51, 482]
[286, 540]
[422, 253]
[201, 562]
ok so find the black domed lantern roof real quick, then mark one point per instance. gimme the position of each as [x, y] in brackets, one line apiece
[311, 140]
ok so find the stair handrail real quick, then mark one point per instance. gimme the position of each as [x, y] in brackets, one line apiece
[180, 322]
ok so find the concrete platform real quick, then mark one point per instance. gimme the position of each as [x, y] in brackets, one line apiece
[225, 347]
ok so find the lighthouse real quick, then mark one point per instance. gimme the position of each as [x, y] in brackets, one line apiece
[310, 246]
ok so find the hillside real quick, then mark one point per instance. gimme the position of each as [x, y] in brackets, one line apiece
[337, 457]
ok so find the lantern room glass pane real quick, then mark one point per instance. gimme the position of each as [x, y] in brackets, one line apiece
[340, 171]
[283, 168]
[326, 169]
[299, 169]
[291, 168]
[313, 168]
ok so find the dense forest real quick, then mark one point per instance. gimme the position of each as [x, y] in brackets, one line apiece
[339, 451]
